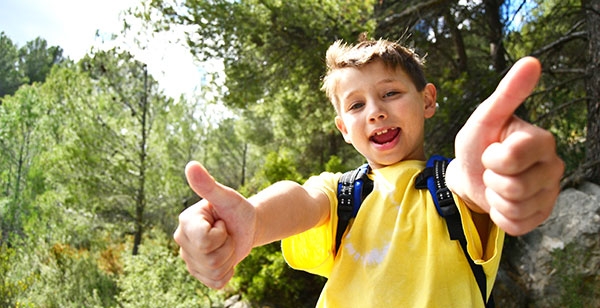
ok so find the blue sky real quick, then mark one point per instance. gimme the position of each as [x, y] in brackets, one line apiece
[72, 25]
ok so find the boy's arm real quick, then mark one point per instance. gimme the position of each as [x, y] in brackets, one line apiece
[218, 232]
[505, 166]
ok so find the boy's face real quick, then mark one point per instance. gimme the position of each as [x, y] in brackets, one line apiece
[382, 114]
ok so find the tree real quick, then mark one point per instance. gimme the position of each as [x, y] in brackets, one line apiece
[85, 167]
[29, 64]
[10, 77]
[20, 143]
[106, 152]
[124, 121]
[592, 14]
[555, 33]
[36, 59]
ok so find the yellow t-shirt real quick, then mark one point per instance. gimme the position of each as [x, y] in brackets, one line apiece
[397, 252]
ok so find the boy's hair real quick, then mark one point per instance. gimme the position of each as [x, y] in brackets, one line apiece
[341, 55]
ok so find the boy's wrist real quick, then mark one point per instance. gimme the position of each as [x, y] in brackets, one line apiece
[460, 186]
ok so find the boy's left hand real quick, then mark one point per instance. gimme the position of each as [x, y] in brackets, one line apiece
[505, 166]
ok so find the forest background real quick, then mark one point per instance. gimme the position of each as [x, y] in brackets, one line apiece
[93, 151]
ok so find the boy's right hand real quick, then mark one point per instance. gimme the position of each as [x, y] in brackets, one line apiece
[216, 233]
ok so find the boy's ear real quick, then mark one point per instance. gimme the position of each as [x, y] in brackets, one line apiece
[429, 98]
[339, 123]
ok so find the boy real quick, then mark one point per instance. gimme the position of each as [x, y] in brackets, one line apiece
[505, 177]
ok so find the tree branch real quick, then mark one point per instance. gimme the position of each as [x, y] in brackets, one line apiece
[560, 107]
[411, 11]
[578, 176]
[560, 41]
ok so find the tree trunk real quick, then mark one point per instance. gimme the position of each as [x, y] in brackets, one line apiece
[496, 39]
[244, 163]
[459, 43]
[495, 34]
[592, 13]
[141, 194]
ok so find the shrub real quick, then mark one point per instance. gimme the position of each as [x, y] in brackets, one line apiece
[157, 277]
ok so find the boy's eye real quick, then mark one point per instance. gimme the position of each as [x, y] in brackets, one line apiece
[390, 94]
[356, 105]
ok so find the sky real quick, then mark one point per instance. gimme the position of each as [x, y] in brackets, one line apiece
[73, 24]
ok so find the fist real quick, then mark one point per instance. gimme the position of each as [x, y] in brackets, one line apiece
[216, 233]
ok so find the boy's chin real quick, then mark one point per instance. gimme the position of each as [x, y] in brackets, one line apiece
[380, 162]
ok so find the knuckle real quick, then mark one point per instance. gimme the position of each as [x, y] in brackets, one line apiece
[547, 135]
[205, 245]
[512, 212]
[183, 217]
[209, 243]
[213, 284]
[177, 236]
[217, 281]
[213, 278]
[514, 191]
[213, 264]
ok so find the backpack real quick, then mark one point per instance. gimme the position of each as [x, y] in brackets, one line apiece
[355, 185]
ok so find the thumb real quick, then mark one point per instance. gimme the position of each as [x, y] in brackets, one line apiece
[203, 184]
[512, 90]
[237, 214]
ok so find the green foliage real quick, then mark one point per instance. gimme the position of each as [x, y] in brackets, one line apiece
[265, 278]
[36, 59]
[227, 152]
[277, 166]
[443, 125]
[10, 77]
[117, 107]
[12, 285]
[280, 166]
[157, 277]
[26, 65]
[21, 141]
[70, 178]
[64, 277]
[334, 164]
[559, 103]
[60, 254]
[577, 290]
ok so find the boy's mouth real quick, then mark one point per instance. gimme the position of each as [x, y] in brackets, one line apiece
[385, 136]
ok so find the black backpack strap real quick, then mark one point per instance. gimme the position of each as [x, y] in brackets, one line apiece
[434, 178]
[353, 187]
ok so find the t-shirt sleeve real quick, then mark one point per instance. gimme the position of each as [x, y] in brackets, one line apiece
[489, 256]
[313, 250]
[495, 239]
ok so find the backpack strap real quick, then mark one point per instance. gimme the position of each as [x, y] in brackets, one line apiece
[433, 178]
[353, 187]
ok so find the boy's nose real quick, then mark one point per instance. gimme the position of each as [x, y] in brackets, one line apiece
[377, 112]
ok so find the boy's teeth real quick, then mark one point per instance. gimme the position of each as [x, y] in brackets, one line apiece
[385, 136]
[385, 131]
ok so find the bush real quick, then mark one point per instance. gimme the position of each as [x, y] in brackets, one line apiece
[576, 288]
[66, 277]
[264, 278]
[157, 277]
[11, 288]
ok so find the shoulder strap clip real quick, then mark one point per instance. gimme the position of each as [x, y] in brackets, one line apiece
[353, 187]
